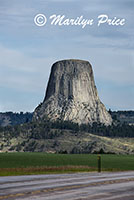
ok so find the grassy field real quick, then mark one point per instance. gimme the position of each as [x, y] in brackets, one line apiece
[41, 163]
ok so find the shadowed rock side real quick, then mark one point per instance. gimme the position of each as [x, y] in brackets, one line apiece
[72, 95]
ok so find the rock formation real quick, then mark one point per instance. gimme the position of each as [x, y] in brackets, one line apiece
[72, 95]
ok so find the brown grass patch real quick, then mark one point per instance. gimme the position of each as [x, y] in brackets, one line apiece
[45, 170]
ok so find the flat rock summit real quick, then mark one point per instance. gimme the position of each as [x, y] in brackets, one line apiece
[72, 95]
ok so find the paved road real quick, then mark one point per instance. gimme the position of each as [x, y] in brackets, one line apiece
[80, 186]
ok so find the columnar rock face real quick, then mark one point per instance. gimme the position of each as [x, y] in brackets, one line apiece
[72, 95]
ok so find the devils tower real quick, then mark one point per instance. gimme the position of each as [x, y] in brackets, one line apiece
[72, 95]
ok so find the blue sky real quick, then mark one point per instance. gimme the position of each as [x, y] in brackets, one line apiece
[28, 51]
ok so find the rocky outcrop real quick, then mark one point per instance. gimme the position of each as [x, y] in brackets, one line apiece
[72, 95]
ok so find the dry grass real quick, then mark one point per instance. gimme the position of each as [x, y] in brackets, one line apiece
[45, 170]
